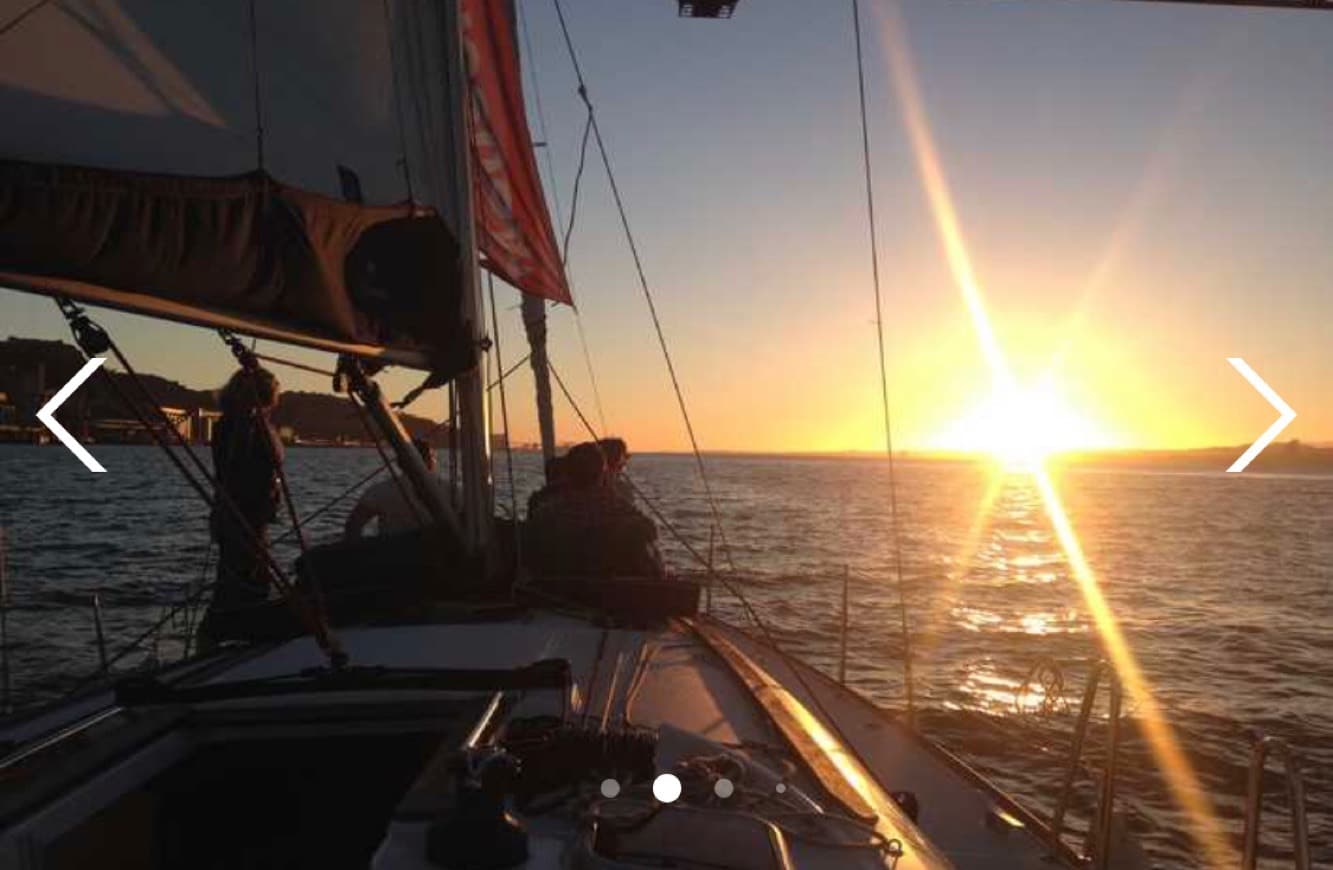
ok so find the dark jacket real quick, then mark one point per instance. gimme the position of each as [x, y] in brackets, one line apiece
[246, 454]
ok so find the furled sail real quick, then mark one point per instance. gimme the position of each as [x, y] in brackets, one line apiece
[286, 169]
[513, 225]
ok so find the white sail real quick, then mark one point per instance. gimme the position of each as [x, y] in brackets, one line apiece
[189, 160]
[173, 88]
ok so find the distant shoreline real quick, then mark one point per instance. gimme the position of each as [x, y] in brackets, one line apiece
[1284, 458]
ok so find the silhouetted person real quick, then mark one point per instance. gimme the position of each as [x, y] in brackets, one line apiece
[616, 453]
[394, 502]
[586, 529]
[247, 456]
[556, 481]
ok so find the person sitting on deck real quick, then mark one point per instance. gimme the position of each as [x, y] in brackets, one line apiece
[555, 483]
[616, 453]
[586, 529]
[394, 502]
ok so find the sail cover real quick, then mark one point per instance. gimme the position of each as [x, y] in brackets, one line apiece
[514, 232]
[285, 168]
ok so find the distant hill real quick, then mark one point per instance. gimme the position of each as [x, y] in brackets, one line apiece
[32, 369]
[1279, 457]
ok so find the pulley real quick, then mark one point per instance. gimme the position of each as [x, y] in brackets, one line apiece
[707, 8]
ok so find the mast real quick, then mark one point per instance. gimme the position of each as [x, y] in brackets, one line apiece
[534, 323]
[474, 439]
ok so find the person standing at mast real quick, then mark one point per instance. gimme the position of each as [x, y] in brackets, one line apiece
[246, 459]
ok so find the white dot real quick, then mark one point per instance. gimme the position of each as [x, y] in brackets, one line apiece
[666, 788]
[610, 788]
[723, 788]
[782, 788]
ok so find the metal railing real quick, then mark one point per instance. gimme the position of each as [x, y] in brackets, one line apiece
[1099, 834]
[1300, 832]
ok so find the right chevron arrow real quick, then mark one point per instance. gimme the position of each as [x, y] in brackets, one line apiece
[1285, 412]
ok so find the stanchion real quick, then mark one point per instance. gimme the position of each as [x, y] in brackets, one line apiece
[842, 652]
[101, 635]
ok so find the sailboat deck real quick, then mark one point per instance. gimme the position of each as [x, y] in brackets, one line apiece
[702, 689]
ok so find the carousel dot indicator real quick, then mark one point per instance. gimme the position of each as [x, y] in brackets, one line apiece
[610, 788]
[723, 788]
[666, 788]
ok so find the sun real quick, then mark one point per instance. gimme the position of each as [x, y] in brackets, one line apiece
[1020, 426]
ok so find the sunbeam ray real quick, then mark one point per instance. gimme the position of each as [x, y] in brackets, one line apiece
[1180, 777]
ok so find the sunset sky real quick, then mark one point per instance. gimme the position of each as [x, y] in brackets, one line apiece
[1142, 191]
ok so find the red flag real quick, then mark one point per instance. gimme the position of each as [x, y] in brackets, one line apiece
[514, 232]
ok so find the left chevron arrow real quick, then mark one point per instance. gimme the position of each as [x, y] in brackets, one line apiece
[47, 414]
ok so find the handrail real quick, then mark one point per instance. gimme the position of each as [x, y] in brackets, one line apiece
[1300, 832]
[1100, 833]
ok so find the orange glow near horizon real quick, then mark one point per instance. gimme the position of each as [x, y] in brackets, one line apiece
[1023, 425]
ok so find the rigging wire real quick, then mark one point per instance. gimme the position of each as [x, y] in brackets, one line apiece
[564, 257]
[403, 490]
[578, 183]
[643, 279]
[277, 360]
[638, 491]
[883, 368]
[93, 340]
[535, 81]
[332, 503]
[21, 17]
[250, 365]
[254, 74]
[504, 411]
[398, 103]
[793, 663]
[500, 380]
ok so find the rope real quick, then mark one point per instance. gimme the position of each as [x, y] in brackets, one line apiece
[384, 458]
[495, 383]
[277, 360]
[249, 363]
[254, 71]
[535, 82]
[883, 369]
[643, 280]
[22, 16]
[398, 103]
[708, 566]
[92, 339]
[504, 411]
[637, 491]
[305, 521]
[564, 256]
[190, 595]
[578, 184]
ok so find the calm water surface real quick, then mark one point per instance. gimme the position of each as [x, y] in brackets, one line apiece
[1222, 585]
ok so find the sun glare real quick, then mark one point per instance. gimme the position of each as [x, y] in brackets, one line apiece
[1024, 425]
[1020, 426]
